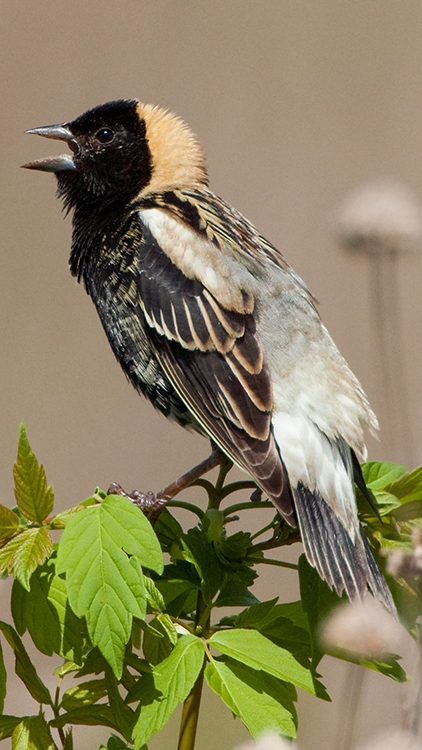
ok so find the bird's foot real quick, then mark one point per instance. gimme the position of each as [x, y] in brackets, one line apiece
[150, 503]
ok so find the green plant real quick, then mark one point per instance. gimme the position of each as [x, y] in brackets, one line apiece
[137, 632]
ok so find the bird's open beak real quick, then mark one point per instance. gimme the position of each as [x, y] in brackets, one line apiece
[54, 163]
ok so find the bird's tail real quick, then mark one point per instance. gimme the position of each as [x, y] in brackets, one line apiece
[346, 565]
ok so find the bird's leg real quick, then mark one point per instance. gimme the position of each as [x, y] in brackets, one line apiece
[151, 503]
[173, 489]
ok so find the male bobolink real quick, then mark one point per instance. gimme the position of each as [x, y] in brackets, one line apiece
[209, 321]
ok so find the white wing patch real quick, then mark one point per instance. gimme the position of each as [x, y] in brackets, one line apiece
[200, 259]
[311, 458]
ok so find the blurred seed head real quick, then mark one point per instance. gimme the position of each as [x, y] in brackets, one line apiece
[380, 216]
[393, 739]
[366, 629]
[407, 565]
[268, 741]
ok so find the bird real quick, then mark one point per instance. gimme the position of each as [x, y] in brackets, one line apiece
[210, 323]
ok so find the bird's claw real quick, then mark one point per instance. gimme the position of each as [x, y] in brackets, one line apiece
[148, 502]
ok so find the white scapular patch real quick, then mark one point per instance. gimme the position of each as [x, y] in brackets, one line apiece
[311, 458]
[200, 259]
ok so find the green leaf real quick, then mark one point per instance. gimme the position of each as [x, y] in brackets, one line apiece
[257, 698]
[84, 694]
[317, 601]
[60, 521]
[378, 475]
[9, 522]
[234, 590]
[67, 668]
[94, 663]
[8, 724]
[181, 570]
[167, 528]
[212, 524]
[122, 713]
[173, 679]
[159, 644]
[24, 667]
[142, 595]
[253, 649]
[135, 638]
[385, 502]
[285, 634]
[286, 625]
[179, 586]
[95, 715]
[46, 613]
[180, 596]
[200, 552]
[132, 531]
[35, 500]
[24, 552]
[115, 743]
[135, 661]
[255, 614]
[407, 600]
[390, 669]
[103, 585]
[3, 679]
[409, 511]
[154, 596]
[408, 487]
[236, 546]
[32, 734]
[293, 611]
[68, 740]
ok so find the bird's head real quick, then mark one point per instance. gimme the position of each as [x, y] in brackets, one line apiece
[121, 150]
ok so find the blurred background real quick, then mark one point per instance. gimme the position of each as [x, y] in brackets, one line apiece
[296, 104]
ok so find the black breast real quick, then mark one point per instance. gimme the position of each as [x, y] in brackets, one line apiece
[109, 265]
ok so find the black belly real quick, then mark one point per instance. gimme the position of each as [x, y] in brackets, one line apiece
[126, 329]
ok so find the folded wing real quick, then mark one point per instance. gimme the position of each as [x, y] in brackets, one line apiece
[213, 358]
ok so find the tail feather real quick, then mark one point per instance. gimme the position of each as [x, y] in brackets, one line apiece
[377, 581]
[346, 565]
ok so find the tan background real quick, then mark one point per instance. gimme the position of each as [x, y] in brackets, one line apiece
[295, 103]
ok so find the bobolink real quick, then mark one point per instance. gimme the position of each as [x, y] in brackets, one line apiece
[209, 321]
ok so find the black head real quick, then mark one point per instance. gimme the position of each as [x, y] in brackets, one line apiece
[110, 161]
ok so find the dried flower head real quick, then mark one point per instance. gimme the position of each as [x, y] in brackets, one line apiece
[407, 565]
[393, 739]
[268, 741]
[365, 629]
[380, 216]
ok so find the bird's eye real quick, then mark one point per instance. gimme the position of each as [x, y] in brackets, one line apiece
[104, 135]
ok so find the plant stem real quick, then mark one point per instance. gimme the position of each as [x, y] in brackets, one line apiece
[191, 706]
[190, 714]
[292, 538]
[352, 692]
[215, 459]
[237, 487]
[415, 709]
[56, 711]
[225, 467]
[279, 563]
[204, 620]
[248, 505]
[215, 498]
[186, 506]
[262, 531]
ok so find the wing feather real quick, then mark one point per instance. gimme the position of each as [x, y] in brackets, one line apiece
[213, 359]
